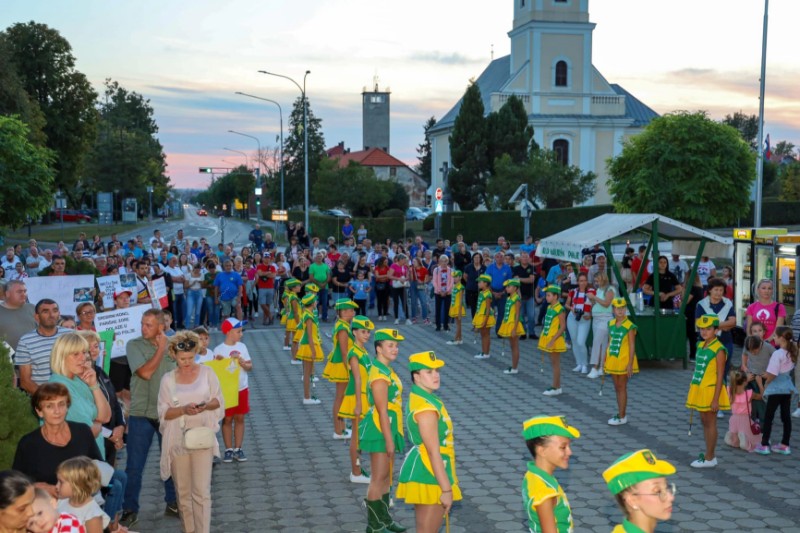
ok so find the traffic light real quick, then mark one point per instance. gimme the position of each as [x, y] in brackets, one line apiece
[205, 170]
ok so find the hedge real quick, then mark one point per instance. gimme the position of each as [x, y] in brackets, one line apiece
[486, 226]
[378, 229]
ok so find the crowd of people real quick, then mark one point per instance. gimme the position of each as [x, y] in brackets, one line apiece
[164, 388]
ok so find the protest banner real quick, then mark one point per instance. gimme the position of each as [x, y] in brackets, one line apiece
[66, 291]
[227, 371]
[108, 286]
[126, 323]
[158, 293]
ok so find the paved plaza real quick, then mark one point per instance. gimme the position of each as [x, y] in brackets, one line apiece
[296, 479]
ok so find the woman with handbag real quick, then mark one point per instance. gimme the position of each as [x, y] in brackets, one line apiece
[190, 410]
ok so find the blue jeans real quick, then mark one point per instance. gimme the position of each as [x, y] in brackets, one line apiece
[421, 296]
[115, 494]
[140, 437]
[322, 299]
[179, 306]
[194, 301]
[212, 309]
[372, 294]
[528, 311]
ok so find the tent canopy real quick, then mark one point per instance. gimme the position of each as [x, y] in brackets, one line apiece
[568, 244]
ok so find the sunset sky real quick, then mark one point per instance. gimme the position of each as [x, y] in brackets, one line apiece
[189, 58]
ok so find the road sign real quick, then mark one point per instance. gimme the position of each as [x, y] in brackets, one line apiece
[280, 215]
[439, 206]
[438, 193]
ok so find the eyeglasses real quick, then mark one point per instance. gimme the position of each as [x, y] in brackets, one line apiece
[185, 346]
[89, 312]
[670, 490]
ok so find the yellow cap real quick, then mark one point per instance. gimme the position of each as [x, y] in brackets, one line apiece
[707, 321]
[309, 299]
[542, 426]
[423, 360]
[619, 302]
[388, 335]
[312, 287]
[634, 467]
[362, 322]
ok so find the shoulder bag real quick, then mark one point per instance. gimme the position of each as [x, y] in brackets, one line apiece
[199, 438]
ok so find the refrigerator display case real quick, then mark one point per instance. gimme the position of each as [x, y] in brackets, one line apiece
[754, 259]
[786, 282]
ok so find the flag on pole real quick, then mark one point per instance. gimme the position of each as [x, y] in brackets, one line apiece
[767, 148]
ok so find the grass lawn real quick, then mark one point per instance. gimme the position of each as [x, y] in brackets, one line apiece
[54, 233]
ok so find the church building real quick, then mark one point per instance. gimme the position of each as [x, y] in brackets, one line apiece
[573, 109]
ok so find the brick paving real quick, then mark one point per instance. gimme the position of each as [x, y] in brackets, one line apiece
[296, 479]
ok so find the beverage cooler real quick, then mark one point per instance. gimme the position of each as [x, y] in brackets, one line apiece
[754, 259]
[787, 250]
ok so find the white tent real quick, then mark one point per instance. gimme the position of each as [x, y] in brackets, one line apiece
[568, 244]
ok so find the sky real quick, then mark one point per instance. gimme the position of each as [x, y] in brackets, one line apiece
[190, 58]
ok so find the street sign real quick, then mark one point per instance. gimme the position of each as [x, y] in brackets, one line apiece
[439, 205]
[280, 215]
[438, 193]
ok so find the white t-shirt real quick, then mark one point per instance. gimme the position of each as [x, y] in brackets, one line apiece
[204, 358]
[175, 272]
[704, 269]
[84, 513]
[225, 351]
[9, 266]
[680, 268]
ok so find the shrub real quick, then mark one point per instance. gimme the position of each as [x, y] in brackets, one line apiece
[16, 416]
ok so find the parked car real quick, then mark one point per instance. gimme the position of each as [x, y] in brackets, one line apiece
[426, 210]
[335, 213]
[202, 213]
[70, 215]
[91, 213]
[415, 213]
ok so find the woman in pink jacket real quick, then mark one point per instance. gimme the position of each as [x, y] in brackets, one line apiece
[442, 288]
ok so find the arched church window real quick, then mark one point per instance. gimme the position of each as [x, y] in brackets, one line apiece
[561, 74]
[561, 149]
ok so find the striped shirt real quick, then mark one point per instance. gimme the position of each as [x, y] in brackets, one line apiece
[34, 349]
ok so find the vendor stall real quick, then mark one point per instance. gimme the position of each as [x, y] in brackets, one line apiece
[662, 333]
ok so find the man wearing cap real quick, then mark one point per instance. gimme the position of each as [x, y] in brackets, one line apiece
[548, 439]
[233, 425]
[148, 360]
[499, 272]
[638, 482]
[428, 476]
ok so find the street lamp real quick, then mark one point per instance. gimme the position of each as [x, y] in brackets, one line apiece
[150, 191]
[280, 113]
[305, 134]
[246, 159]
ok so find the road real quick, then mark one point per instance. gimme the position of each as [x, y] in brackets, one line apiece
[296, 478]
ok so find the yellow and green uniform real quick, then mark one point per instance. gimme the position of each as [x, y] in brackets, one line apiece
[483, 309]
[537, 487]
[627, 527]
[457, 301]
[618, 352]
[292, 321]
[285, 309]
[704, 379]
[370, 438]
[310, 336]
[417, 483]
[337, 370]
[349, 402]
[552, 323]
[510, 318]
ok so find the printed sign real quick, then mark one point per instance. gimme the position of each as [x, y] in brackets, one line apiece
[158, 293]
[66, 291]
[108, 286]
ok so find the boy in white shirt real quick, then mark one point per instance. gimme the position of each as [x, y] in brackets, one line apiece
[233, 425]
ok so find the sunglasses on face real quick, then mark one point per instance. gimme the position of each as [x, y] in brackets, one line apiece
[186, 346]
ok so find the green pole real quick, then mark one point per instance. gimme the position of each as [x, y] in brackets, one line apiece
[687, 290]
[642, 269]
[656, 289]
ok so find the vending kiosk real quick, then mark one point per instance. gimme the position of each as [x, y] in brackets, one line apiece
[755, 254]
[787, 250]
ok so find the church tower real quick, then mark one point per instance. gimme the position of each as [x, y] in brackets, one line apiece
[375, 117]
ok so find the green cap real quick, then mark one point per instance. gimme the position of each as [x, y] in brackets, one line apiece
[707, 321]
[555, 289]
[362, 322]
[457, 273]
[633, 468]
[309, 299]
[292, 282]
[484, 278]
[388, 335]
[513, 282]
[424, 360]
[543, 426]
[345, 303]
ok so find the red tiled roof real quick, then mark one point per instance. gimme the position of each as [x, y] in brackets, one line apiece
[374, 157]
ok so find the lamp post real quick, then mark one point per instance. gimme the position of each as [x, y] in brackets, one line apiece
[280, 113]
[150, 191]
[246, 159]
[113, 206]
[305, 136]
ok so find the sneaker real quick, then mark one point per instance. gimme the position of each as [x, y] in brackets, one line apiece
[171, 509]
[413, 320]
[593, 374]
[455, 343]
[426, 322]
[287, 348]
[701, 462]
[781, 449]
[396, 320]
[312, 401]
[343, 436]
[762, 450]
[239, 456]
[408, 322]
[552, 392]
[796, 413]
[255, 315]
[720, 414]
[482, 356]
[228, 457]
[359, 479]
[584, 369]
[510, 370]
[297, 362]
[577, 368]
[129, 518]
[617, 421]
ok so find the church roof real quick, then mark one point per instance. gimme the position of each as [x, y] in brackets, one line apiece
[497, 74]
[374, 157]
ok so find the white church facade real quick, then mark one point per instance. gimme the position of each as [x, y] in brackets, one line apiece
[572, 108]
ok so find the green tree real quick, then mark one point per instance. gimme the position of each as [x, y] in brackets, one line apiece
[423, 167]
[294, 172]
[45, 65]
[237, 184]
[26, 175]
[685, 166]
[468, 152]
[126, 154]
[790, 183]
[15, 101]
[746, 124]
[356, 187]
[784, 148]
[510, 132]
